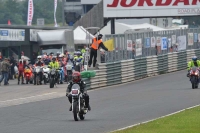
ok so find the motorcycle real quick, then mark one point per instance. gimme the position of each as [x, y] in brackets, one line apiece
[78, 65]
[38, 70]
[28, 75]
[194, 77]
[54, 77]
[69, 68]
[46, 72]
[78, 103]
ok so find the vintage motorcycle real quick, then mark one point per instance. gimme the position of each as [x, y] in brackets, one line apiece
[37, 71]
[28, 75]
[78, 103]
[194, 77]
[46, 72]
[53, 77]
[69, 68]
[78, 64]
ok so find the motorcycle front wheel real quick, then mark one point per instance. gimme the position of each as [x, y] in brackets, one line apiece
[75, 111]
[51, 81]
[38, 80]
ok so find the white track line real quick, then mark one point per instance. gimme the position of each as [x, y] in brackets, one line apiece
[154, 119]
[27, 97]
[19, 101]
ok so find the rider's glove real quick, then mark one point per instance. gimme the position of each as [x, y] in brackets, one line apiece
[67, 94]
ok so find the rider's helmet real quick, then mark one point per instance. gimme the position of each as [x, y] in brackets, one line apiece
[79, 53]
[75, 53]
[58, 53]
[54, 58]
[20, 61]
[194, 58]
[76, 76]
[39, 57]
[60, 56]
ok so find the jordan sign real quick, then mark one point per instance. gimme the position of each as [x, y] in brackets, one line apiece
[151, 8]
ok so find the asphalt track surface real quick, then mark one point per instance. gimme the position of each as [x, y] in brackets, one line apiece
[112, 107]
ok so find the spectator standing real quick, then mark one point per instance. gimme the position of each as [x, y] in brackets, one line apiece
[5, 71]
[176, 48]
[133, 51]
[12, 61]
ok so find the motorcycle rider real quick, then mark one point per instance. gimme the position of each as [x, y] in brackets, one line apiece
[38, 63]
[79, 56]
[76, 79]
[55, 64]
[192, 63]
[46, 60]
[57, 56]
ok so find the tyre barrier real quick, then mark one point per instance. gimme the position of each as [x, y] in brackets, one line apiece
[109, 74]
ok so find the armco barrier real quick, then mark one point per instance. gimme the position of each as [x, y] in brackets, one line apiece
[130, 70]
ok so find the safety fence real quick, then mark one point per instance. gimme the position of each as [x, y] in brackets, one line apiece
[137, 44]
[134, 69]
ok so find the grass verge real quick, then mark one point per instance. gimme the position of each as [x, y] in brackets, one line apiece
[187, 121]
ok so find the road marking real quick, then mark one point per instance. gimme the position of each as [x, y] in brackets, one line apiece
[46, 96]
[154, 119]
[53, 95]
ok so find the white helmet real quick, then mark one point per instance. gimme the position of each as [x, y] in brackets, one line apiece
[39, 57]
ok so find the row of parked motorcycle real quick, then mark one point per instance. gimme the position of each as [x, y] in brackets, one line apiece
[51, 75]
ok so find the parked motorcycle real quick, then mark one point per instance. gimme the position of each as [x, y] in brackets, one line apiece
[28, 75]
[69, 68]
[78, 64]
[53, 77]
[46, 72]
[78, 103]
[38, 70]
[194, 77]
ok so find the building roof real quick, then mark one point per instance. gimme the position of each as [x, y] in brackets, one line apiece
[120, 28]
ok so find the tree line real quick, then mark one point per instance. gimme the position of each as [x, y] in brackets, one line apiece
[16, 11]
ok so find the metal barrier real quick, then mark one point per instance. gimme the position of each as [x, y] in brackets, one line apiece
[134, 69]
[149, 43]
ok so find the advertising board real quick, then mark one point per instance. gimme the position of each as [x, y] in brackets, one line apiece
[12, 34]
[151, 8]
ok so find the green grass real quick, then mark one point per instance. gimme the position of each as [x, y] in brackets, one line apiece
[187, 121]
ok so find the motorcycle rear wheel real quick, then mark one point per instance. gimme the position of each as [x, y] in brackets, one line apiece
[27, 81]
[81, 116]
[193, 86]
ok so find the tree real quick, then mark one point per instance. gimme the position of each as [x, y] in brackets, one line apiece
[17, 11]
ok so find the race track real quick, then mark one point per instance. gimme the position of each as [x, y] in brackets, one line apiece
[112, 107]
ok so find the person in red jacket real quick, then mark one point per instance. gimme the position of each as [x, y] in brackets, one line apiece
[21, 71]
